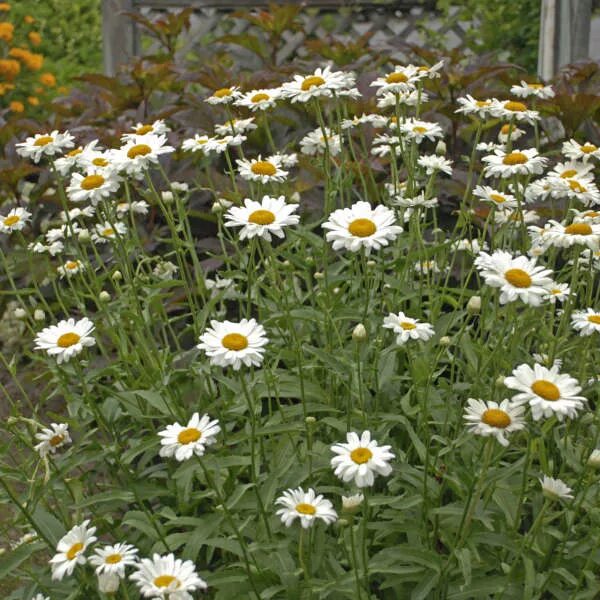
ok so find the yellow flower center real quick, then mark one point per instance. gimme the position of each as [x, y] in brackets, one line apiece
[74, 550]
[407, 326]
[494, 417]
[187, 436]
[43, 140]
[100, 162]
[588, 148]
[260, 97]
[498, 198]
[568, 173]
[91, 182]
[56, 440]
[144, 129]
[113, 559]
[576, 186]
[138, 150]
[536, 86]
[108, 232]
[361, 455]
[483, 103]
[419, 129]
[71, 264]
[518, 278]
[592, 214]
[396, 77]
[11, 220]
[515, 106]
[263, 167]
[578, 229]
[546, 389]
[235, 341]
[505, 129]
[74, 152]
[305, 509]
[595, 319]
[163, 581]
[222, 93]
[311, 81]
[67, 339]
[515, 158]
[362, 227]
[261, 217]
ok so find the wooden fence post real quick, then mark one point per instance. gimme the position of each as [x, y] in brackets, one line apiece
[119, 37]
[564, 34]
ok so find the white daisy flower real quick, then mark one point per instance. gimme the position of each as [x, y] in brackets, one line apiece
[137, 207]
[433, 163]
[261, 99]
[140, 152]
[509, 133]
[66, 339]
[183, 442]
[417, 130]
[408, 328]
[372, 119]
[167, 578]
[488, 194]
[70, 160]
[351, 504]
[469, 245]
[235, 126]
[41, 597]
[51, 438]
[555, 489]
[418, 201]
[570, 169]
[586, 216]
[53, 249]
[218, 145]
[576, 151]
[361, 226]
[225, 95]
[517, 277]
[105, 231]
[44, 144]
[564, 236]
[401, 80]
[511, 109]
[15, 220]
[92, 187]
[76, 213]
[70, 550]
[472, 106]
[261, 219]
[586, 321]
[196, 144]
[287, 160]
[408, 97]
[546, 391]
[323, 83]
[165, 270]
[317, 142]
[265, 171]
[360, 459]
[306, 506]
[71, 267]
[493, 419]
[538, 90]
[112, 560]
[233, 344]
[159, 127]
[517, 162]
[503, 216]
[558, 292]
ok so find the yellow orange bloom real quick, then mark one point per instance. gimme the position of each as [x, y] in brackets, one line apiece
[6, 31]
[16, 106]
[48, 79]
[6, 87]
[33, 100]
[4, 6]
[31, 60]
[9, 68]
[35, 38]
[28, 19]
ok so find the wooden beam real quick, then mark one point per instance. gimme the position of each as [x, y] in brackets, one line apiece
[235, 4]
[119, 38]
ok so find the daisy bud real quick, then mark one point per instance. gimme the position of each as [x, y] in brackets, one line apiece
[594, 459]
[2, 551]
[310, 420]
[286, 263]
[108, 583]
[351, 504]
[39, 314]
[84, 235]
[180, 186]
[359, 333]
[500, 381]
[319, 275]
[342, 523]
[295, 198]
[167, 197]
[445, 341]
[309, 260]
[336, 291]
[440, 149]
[474, 305]
[104, 296]
[50, 191]
[371, 264]
[221, 204]
[20, 313]
[117, 276]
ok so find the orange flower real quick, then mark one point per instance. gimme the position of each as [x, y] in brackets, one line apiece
[28, 19]
[35, 38]
[9, 69]
[48, 79]
[38, 89]
[6, 31]
[31, 60]
[16, 106]
[4, 6]
[6, 87]
[63, 89]
[33, 100]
